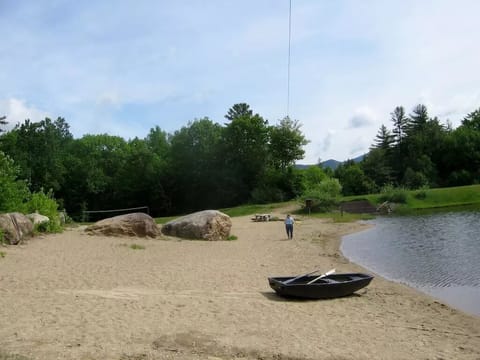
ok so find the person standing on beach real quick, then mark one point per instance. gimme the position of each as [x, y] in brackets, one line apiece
[289, 221]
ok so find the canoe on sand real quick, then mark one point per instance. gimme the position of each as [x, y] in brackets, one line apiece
[323, 287]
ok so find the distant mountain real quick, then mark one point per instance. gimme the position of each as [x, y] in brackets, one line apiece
[331, 163]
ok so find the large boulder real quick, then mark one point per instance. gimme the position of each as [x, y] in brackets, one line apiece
[135, 224]
[15, 227]
[202, 225]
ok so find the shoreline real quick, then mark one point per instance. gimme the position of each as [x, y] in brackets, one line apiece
[76, 296]
[449, 296]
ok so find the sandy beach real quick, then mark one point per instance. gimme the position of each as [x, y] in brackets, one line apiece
[77, 296]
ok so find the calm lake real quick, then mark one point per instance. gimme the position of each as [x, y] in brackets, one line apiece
[438, 254]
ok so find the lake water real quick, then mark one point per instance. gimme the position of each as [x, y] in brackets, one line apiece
[438, 254]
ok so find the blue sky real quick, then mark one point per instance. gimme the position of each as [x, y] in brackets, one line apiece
[123, 67]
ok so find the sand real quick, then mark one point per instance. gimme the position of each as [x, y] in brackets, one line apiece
[77, 296]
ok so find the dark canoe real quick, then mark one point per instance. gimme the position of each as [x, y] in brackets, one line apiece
[331, 286]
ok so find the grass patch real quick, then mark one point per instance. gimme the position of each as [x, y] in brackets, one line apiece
[164, 220]
[440, 198]
[337, 216]
[250, 209]
[232, 237]
[241, 210]
[137, 247]
[133, 246]
[2, 254]
[445, 197]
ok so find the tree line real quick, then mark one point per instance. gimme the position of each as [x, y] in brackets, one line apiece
[202, 165]
[211, 165]
[417, 151]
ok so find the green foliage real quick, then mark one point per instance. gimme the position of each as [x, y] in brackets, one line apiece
[133, 246]
[444, 197]
[232, 237]
[324, 196]
[238, 111]
[286, 143]
[39, 150]
[421, 151]
[13, 192]
[250, 209]
[2, 254]
[414, 179]
[203, 165]
[393, 194]
[313, 176]
[384, 139]
[45, 204]
[198, 166]
[278, 186]
[421, 193]
[353, 179]
[137, 247]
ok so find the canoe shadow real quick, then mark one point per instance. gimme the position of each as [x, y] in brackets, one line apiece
[273, 296]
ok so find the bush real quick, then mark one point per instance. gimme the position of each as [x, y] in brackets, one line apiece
[265, 195]
[324, 196]
[393, 194]
[45, 204]
[414, 179]
[421, 193]
[13, 192]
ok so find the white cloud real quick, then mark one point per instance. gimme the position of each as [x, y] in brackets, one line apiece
[17, 112]
[363, 117]
[352, 62]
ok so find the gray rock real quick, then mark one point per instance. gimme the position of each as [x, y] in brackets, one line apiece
[37, 218]
[202, 225]
[135, 224]
[15, 227]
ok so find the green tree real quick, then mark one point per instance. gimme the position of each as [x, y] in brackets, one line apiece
[286, 143]
[95, 164]
[3, 122]
[325, 195]
[13, 192]
[417, 120]
[313, 175]
[384, 139]
[472, 120]
[147, 186]
[461, 156]
[196, 161]
[238, 111]
[399, 120]
[376, 166]
[353, 179]
[246, 155]
[39, 150]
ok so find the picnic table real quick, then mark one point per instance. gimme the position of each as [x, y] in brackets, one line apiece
[262, 217]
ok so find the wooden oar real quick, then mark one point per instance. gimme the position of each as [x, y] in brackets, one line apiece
[330, 272]
[300, 276]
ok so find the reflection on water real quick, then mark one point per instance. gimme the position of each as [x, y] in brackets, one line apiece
[438, 254]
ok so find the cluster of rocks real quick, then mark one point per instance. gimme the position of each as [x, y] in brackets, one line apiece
[16, 226]
[203, 225]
